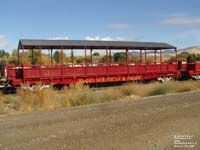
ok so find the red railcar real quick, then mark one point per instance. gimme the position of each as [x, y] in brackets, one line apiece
[90, 72]
[190, 70]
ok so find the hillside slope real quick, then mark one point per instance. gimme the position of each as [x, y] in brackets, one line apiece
[193, 49]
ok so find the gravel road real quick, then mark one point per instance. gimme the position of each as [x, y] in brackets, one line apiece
[146, 124]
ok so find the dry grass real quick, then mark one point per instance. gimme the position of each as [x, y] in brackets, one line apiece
[73, 95]
[79, 94]
[156, 88]
[1, 104]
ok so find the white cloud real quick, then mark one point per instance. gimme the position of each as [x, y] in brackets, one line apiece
[181, 19]
[118, 26]
[3, 41]
[60, 38]
[108, 38]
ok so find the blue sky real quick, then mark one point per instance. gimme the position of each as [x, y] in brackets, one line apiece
[174, 21]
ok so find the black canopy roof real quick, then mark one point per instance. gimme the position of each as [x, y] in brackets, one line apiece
[82, 44]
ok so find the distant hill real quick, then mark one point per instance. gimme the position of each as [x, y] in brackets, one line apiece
[193, 49]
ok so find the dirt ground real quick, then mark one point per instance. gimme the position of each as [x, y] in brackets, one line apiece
[148, 124]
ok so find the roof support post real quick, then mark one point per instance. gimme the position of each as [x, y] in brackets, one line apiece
[160, 56]
[145, 56]
[91, 56]
[127, 56]
[85, 59]
[62, 55]
[176, 55]
[32, 56]
[51, 56]
[72, 57]
[23, 55]
[140, 56]
[18, 56]
[110, 57]
[127, 61]
[160, 60]
[155, 51]
[106, 55]
[40, 51]
[145, 59]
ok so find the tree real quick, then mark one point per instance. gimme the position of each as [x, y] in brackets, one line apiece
[120, 57]
[80, 60]
[33, 58]
[102, 59]
[172, 59]
[4, 55]
[191, 58]
[183, 56]
[57, 57]
[134, 58]
[96, 54]
[13, 59]
[198, 57]
[3, 63]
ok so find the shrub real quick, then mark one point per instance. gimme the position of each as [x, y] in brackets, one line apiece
[157, 91]
[80, 94]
